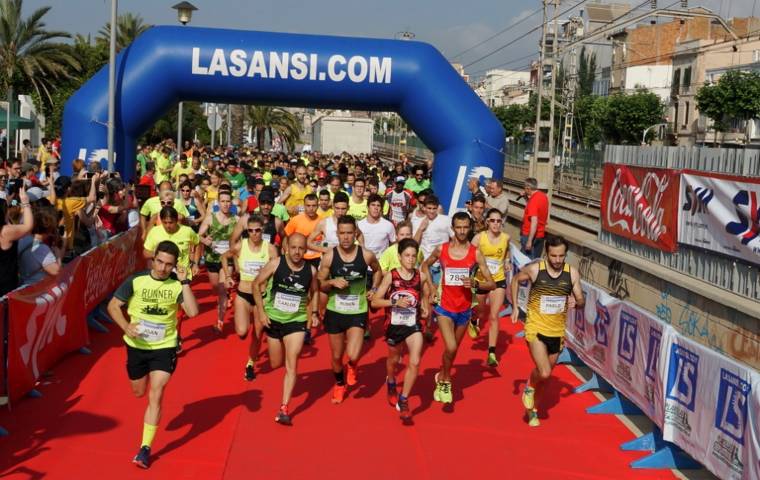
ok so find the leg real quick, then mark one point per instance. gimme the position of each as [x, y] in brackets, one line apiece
[139, 386]
[293, 344]
[354, 340]
[496, 300]
[158, 381]
[242, 317]
[544, 366]
[414, 343]
[221, 301]
[275, 351]
[337, 347]
[394, 354]
[446, 325]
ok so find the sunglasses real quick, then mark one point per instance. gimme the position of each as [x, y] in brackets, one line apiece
[255, 230]
[3, 177]
[186, 190]
[167, 204]
[494, 220]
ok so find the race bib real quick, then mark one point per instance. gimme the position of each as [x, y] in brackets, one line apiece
[252, 267]
[493, 265]
[553, 304]
[300, 209]
[266, 237]
[403, 316]
[220, 246]
[286, 302]
[346, 303]
[454, 277]
[151, 331]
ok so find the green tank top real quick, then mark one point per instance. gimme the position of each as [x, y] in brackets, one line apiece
[352, 299]
[249, 262]
[220, 236]
[288, 295]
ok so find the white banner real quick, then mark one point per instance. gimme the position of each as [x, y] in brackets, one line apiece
[720, 214]
[519, 260]
[712, 410]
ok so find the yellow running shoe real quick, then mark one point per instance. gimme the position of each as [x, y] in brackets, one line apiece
[446, 396]
[533, 418]
[492, 361]
[437, 391]
[527, 398]
[473, 329]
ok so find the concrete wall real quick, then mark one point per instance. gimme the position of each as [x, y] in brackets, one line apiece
[655, 78]
[339, 134]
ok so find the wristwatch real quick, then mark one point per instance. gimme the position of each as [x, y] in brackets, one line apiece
[186, 281]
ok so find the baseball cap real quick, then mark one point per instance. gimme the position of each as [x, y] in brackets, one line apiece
[322, 174]
[266, 197]
[400, 179]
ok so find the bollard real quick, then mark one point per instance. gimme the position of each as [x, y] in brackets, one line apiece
[648, 442]
[568, 357]
[616, 405]
[667, 457]
[596, 382]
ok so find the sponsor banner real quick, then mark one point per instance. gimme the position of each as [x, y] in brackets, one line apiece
[46, 321]
[720, 213]
[3, 320]
[519, 260]
[107, 266]
[711, 409]
[641, 204]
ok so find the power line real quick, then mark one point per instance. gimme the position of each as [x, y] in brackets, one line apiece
[497, 50]
[505, 30]
[505, 64]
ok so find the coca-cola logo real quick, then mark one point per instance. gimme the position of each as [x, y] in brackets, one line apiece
[636, 209]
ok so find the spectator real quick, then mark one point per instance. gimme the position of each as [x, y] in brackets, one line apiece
[418, 182]
[78, 171]
[536, 214]
[51, 172]
[114, 207]
[9, 236]
[75, 201]
[29, 174]
[497, 198]
[149, 177]
[40, 253]
[15, 171]
[473, 185]
[3, 183]
[26, 151]
[43, 152]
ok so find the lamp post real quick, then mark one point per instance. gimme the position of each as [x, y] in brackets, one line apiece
[184, 14]
[111, 84]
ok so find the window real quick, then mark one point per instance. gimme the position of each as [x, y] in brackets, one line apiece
[686, 115]
[676, 82]
[687, 77]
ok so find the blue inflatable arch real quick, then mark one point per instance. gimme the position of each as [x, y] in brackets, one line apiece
[166, 65]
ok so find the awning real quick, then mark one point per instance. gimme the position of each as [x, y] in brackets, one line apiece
[16, 121]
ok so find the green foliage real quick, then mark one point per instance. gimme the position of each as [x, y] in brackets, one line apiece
[128, 27]
[274, 120]
[514, 119]
[627, 116]
[736, 95]
[586, 73]
[193, 122]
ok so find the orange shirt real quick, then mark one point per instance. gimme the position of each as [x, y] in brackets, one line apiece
[303, 225]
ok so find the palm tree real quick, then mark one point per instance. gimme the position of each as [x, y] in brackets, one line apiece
[29, 60]
[274, 120]
[128, 27]
[238, 118]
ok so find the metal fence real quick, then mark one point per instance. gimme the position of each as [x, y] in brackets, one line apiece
[725, 272]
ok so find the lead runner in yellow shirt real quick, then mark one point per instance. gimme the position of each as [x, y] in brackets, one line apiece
[183, 236]
[552, 281]
[493, 244]
[152, 299]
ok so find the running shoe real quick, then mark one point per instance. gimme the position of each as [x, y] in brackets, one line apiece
[219, 326]
[392, 394]
[437, 391]
[527, 398]
[350, 375]
[339, 394]
[282, 416]
[142, 459]
[250, 373]
[533, 418]
[446, 396]
[403, 410]
[473, 329]
[492, 361]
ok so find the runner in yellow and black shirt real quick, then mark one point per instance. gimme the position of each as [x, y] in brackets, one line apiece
[152, 299]
[552, 281]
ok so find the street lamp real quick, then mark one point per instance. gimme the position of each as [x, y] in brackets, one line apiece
[111, 84]
[184, 14]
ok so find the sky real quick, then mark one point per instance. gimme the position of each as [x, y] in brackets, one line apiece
[452, 26]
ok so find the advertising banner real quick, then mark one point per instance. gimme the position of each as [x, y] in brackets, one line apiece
[640, 204]
[519, 260]
[3, 311]
[720, 213]
[46, 321]
[107, 266]
[711, 409]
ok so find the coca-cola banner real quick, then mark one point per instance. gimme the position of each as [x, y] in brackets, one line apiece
[46, 321]
[641, 204]
[721, 213]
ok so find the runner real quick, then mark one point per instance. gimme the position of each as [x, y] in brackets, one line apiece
[325, 207]
[551, 283]
[251, 254]
[285, 315]
[325, 236]
[152, 299]
[400, 201]
[343, 277]
[458, 260]
[293, 195]
[493, 244]
[183, 236]
[215, 232]
[390, 258]
[357, 204]
[407, 303]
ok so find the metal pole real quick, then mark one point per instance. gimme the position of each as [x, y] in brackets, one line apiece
[179, 129]
[229, 125]
[112, 85]
[8, 126]
[552, 97]
[539, 97]
[213, 130]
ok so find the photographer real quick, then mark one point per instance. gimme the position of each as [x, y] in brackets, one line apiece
[40, 253]
[75, 201]
[9, 235]
[114, 205]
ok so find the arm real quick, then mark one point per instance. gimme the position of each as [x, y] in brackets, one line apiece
[311, 240]
[115, 311]
[237, 232]
[92, 196]
[526, 274]
[11, 233]
[314, 301]
[379, 300]
[425, 270]
[284, 196]
[533, 229]
[488, 284]
[377, 272]
[326, 285]
[261, 283]
[575, 277]
[189, 303]
[421, 230]
[225, 260]
[425, 300]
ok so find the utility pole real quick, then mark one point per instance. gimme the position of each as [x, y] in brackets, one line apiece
[542, 164]
[574, 30]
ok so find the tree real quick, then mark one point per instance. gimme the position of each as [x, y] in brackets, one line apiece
[514, 119]
[586, 73]
[128, 27]
[30, 59]
[627, 116]
[736, 95]
[193, 123]
[274, 120]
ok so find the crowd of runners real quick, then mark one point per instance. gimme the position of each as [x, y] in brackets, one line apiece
[293, 244]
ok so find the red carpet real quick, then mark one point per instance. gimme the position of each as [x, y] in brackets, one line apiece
[216, 425]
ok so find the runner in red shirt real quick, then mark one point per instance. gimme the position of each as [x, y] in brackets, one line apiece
[535, 216]
[459, 262]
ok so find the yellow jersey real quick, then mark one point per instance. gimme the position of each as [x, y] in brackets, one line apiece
[494, 255]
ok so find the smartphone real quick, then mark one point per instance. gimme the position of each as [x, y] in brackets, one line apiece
[88, 175]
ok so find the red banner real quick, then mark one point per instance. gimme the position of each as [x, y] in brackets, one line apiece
[641, 204]
[45, 322]
[3, 309]
[107, 265]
